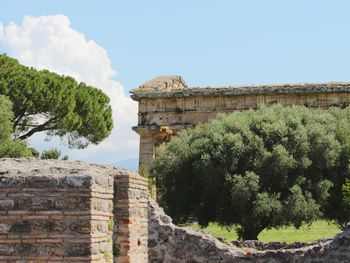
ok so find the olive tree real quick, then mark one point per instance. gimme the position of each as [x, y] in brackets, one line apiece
[256, 170]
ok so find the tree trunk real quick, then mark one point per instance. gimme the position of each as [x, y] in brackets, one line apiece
[42, 127]
[249, 233]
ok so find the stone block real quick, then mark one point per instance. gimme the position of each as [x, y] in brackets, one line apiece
[82, 227]
[21, 227]
[6, 204]
[4, 228]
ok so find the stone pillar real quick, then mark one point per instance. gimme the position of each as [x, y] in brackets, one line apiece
[131, 217]
[150, 140]
[147, 150]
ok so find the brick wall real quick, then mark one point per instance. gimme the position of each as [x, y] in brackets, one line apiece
[131, 215]
[55, 211]
[61, 211]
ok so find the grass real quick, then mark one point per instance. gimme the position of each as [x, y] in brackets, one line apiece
[318, 230]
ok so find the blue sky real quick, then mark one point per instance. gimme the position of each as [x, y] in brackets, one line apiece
[207, 42]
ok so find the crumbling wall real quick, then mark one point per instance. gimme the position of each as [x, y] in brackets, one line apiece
[61, 211]
[169, 243]
[55, 211]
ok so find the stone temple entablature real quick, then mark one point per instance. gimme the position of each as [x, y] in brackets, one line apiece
[167, 105]
[163, 83]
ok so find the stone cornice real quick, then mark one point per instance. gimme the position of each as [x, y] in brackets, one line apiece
[138, 94]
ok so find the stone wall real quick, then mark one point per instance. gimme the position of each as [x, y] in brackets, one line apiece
[61, 211]
[169, 243]
[55, 211]
[131, 217]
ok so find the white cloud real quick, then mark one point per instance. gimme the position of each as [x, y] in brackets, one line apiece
[50, 42]
[1, 29]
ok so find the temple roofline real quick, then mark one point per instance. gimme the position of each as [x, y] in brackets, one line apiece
[149, 89]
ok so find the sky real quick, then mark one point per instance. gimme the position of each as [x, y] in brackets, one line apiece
[118, 45]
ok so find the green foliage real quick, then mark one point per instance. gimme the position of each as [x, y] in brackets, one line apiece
[14, 149]
[337, 209]
[35, 153]
[116, 250]
[46, 102]
[8, 146]
[143, 171]
[107, 256]
[6, 116]
[110, 225]
[346, 192]
[51, 154]
[258, 169]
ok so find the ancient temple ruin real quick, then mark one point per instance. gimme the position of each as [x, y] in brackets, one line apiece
[167, 105]
[64, 211]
